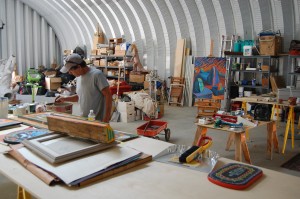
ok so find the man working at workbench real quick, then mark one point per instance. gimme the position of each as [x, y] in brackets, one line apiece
[92, 88]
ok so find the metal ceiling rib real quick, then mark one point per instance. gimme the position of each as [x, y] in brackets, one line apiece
[154, 25]
[105, 20]
[160, 7]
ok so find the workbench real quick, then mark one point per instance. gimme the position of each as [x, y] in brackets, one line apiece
[154, 180]
[239, 136]
[290, 124]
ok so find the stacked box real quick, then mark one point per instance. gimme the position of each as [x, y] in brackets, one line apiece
[53, 83]
[127, 111]
[270, 45]
[138, 114]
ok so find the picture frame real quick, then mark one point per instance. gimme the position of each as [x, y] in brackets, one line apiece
[57, 148]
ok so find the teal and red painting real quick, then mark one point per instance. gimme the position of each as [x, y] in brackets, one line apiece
[209, 77]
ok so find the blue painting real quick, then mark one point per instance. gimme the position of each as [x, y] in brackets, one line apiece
[209, 77]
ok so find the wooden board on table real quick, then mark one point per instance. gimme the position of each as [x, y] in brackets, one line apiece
[79, 128]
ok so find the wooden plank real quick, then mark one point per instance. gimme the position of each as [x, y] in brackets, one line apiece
[180, 47]
[143, 159]
[99, 132]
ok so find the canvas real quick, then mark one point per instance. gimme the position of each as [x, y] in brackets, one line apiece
[209, 77]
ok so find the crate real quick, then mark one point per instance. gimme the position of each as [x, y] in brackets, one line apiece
[138, 78]
[270, 45]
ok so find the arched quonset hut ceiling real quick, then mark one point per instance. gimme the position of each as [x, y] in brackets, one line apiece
[154, 25]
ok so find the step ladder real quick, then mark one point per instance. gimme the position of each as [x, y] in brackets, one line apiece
[176, 91]
[226, 44]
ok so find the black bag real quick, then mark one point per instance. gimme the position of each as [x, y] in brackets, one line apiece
[294, 47]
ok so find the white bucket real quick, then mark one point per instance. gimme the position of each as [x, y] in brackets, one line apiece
[3, 107]
[247, 51]
[241, 91]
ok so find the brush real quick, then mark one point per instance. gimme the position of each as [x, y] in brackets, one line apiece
[193, 152]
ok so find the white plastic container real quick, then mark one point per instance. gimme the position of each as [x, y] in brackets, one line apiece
[247, 51]
[91, 116]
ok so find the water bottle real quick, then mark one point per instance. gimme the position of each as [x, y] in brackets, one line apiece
[91, 116]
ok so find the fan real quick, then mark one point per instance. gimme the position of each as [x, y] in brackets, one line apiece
[262, 112]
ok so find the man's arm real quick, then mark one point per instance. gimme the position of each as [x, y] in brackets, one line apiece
[72, 98]
[108, 105]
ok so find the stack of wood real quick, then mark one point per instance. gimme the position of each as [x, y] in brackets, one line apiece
[177, 85]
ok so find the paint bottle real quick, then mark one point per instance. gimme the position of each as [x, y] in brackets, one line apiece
[91, 116]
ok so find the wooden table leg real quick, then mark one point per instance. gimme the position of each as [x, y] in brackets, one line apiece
[272, 139]
[201, 131]
[290, 121]
[245, 147]
[238, 149]
[23, 194]
[230, 140]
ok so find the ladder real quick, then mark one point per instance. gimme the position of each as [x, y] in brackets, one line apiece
[226, 44]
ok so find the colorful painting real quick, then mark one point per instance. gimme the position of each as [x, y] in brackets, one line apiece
[209, 77]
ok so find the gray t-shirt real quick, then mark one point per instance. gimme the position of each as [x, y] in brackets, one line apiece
[88, 89]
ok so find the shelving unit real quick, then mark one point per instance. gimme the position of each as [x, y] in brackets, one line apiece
[253, 74]
[292, 61]
[111, 71]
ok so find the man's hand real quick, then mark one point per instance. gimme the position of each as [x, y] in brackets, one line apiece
[59, 99]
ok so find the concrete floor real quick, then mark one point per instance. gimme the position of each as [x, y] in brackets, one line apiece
[181, 123]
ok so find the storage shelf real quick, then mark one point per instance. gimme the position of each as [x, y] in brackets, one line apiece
[253, 56]
[250, 71]
[250, 86]
[108, 58]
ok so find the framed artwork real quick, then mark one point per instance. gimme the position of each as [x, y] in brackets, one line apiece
[209, 77]
[57, 148]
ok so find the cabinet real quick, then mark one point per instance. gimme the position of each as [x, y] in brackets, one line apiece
[249, 73]
[293, 75]
[109, 64]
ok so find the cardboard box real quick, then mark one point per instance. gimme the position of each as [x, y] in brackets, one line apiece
[53, 83]
[270, 45]
[103, 62]
[161, 109]
[146, 85]
[96, 62]
[127, 107]
[138, 78]
[94, 52]
[118, 47]
[120, 52]
[102, 51]
[127, 117]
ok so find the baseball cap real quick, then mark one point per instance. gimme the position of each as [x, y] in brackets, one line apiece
[72, 60]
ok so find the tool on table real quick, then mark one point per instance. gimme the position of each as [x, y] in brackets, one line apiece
[193, 152]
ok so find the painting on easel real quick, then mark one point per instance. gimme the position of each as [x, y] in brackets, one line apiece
[209, 77]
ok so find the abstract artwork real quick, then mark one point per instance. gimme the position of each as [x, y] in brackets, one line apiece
[209, 77]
